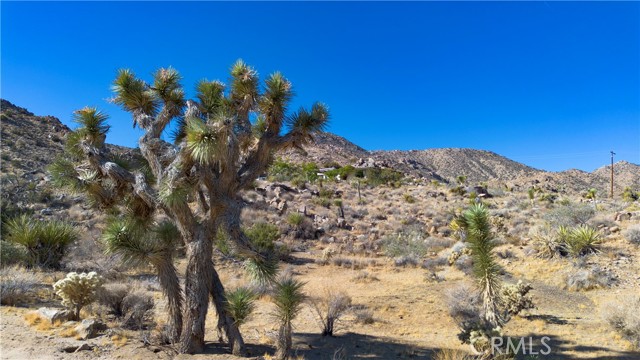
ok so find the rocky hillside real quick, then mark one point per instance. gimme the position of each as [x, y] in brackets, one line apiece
[30, 143]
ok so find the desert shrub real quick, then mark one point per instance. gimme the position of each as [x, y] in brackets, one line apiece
[408, 198]
[263, 236]
[582, 240]
[78, 290]
[17, 285]
[630, 195]
[623, 317]
[406, 260]
[365, 277]
[407, 242]
[240, 303]
[137, 307]
[464, 304]
[281, 170]
[12, 254]
[363, 316]
[329, 309]
[570, 215]
[632, 234]
[451, 354]
[600, 221]
[516, 298]
[112, 297]
[295, 219]
[45, 241]
[588, 279]
[378, 176]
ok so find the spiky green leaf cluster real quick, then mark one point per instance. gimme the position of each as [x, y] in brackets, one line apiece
[288, 298]
[211, 97]
[166, 84]
[240, 303]
[133, 94]
[45, 241]
[202, 141]
[485, 267]
[138, 244]
[93, 125]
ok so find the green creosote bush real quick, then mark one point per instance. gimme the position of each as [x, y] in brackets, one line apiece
[78, 290]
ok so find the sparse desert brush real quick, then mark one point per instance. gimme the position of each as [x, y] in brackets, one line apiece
[590, 278]
[451, 354]
[408, 198]
[623, 317]
[632, 234]
[17, 285]
[13, 254]
[407, 242]
[34, 319]
[330, 308]
[365, 277]
[570, 215]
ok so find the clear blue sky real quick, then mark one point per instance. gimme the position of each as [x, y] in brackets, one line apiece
[553, 85]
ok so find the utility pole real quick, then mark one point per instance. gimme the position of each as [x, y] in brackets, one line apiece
[612, 153]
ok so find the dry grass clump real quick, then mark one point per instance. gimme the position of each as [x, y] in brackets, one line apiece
[17, 285]
[36, 320]
[623, 316]
[365, 277]
[451, 354]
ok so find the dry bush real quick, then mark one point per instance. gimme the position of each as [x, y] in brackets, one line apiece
[363, 315]
[588, 279]
[112, 297]
[330, 308]
[17, 285]
[464, 304]
[623, 316]
[365, 277]
[632, 234]
[570, 215]
[451, 354]
[137, 307]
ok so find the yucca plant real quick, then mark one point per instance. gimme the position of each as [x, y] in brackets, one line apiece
[485, 267]
[139, 244]
[45, 241]
[582, 240]
[288, 298]
[240, 303]
[591, 195]
[194, 182]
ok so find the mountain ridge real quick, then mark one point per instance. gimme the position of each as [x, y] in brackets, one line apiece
[441, 164]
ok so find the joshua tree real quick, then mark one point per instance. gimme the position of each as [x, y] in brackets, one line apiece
[591, 195]
[288, 298]
[138, 243]
[485, 268]
[217, 152]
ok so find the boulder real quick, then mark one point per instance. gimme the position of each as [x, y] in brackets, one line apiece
[89, 328]
[55, 315]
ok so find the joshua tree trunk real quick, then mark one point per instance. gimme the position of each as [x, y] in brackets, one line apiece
[225, 322]
[283, 343]
[198, 282]
[170, 284]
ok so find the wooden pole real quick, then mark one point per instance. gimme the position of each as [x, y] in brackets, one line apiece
[612, 153]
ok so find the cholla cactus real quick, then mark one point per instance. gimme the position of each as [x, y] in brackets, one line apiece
[516, 298]
[78, 290]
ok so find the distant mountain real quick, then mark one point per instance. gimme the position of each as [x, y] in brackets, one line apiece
[30, 143]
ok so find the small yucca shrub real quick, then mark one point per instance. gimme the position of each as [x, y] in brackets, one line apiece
[240, 304]
[582, 240]
[78, 290]
[45, 241]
